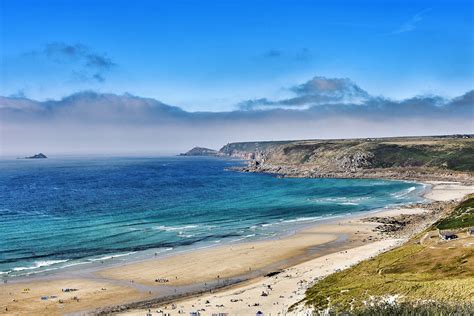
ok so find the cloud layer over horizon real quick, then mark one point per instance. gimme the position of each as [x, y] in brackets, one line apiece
[317, 91]
[90, 122]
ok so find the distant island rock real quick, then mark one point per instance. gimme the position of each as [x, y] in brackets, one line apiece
[37, 156]
[200, 151]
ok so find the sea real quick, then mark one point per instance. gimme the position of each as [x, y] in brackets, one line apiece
[57, 213]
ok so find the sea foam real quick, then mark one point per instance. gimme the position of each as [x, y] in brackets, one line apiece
[39, 264]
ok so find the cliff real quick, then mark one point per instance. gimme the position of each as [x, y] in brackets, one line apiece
[200, 151]
[406, 157]
[427, 157]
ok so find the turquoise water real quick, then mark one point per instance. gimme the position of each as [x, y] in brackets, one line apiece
[60, 212]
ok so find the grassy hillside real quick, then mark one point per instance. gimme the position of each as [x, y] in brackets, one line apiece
[420, 270]
[462, 216]
[448, 153]
[454, 155]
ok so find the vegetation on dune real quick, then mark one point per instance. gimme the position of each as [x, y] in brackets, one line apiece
[417, 276]
[423, 309]
[412, 271]
[461, 217]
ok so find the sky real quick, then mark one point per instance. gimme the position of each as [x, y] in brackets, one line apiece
[248, 59]
[208, 55]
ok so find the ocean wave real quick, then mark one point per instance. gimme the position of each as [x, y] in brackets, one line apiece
[111, 256]
[39, 271]
[74, 264]
[244, 237]
[39, 264]
[403, 193]
[175, 228]
[183, 235]
[302, 219]
[342, 200]
[261, 225]
[371, 184]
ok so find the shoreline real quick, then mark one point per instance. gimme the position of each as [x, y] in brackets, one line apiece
[329, 263]
[118, 283]
[418, 174]
[289, 228]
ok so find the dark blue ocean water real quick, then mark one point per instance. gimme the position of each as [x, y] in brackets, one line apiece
[59, 212]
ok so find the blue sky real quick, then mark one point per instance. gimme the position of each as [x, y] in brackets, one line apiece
[211, 55]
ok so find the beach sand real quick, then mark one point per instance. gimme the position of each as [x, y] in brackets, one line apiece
[445, 191]
[305, 256]
[282, 290]
[223, 262]
[14, 300]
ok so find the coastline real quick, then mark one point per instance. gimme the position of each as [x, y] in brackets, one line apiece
[247, 299]
[259, 230]
[417, 174]
[108, 286]
[281, 229]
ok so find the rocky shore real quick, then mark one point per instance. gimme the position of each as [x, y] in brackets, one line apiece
[417, 217]
[416, 174]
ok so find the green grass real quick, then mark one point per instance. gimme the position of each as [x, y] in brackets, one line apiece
[461, 160]
[461, 217]
[414, 272]
[424, 309]
[456, 157]
[466, 220]
[389, 155]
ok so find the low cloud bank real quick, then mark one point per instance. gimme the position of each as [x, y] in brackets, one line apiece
[89, 122]
[317, 91]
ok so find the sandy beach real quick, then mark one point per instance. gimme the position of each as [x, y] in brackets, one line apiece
[293, 262]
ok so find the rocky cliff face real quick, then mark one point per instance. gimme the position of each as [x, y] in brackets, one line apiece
[250, 150]
[358, 158]
[442, 157]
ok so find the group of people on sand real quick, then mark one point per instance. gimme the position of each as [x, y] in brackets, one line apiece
[162, 280]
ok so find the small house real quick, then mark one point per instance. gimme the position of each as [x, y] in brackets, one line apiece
[447, 235]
